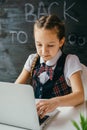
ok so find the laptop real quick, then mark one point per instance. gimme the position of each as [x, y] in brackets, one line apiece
[18, 107]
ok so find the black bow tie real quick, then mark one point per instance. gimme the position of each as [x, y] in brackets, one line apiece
[48, 69]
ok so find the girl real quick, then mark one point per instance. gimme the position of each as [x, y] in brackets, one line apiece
[56, 76]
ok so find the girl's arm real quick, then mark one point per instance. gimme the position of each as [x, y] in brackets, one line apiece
[23, 77]
[77, 95]
[72, 99]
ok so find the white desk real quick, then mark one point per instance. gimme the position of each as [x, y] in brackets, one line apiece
[62, 121]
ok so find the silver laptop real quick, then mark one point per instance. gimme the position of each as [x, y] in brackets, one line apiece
[18, 107]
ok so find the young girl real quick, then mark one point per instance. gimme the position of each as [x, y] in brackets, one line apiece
[56, 76]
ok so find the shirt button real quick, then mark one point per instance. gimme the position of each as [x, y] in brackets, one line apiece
[39, 96]
[41, 89]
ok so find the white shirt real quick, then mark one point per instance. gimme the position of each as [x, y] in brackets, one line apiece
[72, 65]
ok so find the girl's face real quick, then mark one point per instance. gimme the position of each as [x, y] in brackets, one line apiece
[47, 43]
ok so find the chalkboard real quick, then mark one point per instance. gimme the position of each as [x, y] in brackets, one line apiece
[17, 18]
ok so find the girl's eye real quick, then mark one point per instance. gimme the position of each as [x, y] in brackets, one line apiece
[50, 45]
[39, 45]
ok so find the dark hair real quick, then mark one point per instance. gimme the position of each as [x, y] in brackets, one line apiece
[51, 22]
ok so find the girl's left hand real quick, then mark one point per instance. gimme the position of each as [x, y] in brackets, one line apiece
[45, 106]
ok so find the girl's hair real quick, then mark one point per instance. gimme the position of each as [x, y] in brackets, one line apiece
[51, 22]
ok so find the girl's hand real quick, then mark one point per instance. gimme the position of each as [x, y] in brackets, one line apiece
[45, 106]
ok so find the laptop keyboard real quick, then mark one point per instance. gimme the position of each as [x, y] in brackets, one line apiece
[43, 119]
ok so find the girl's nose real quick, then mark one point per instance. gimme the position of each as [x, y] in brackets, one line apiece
[44, 49]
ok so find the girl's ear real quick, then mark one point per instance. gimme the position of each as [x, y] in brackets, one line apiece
[62, 41]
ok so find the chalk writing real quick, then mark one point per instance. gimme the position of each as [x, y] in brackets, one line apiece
[74, 39]
[21, 36]
[66, 12]
[41, 8]
[81, 41]
[30, 16]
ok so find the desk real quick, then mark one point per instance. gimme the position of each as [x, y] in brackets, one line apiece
[63, 120]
